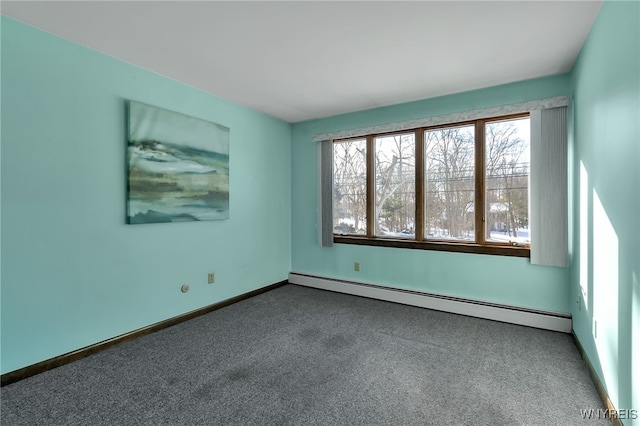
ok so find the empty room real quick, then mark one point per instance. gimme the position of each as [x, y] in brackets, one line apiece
[329, 213]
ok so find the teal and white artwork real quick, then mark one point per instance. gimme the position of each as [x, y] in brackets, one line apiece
[178, 167]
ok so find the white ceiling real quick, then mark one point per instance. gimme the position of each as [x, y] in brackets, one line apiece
[303, 60]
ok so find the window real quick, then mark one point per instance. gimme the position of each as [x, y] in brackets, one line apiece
[395, 193]
[450, 183]
[350, 187]
[456, 187]
[507, 180]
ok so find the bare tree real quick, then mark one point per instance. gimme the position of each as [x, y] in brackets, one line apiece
[395, 183]
[507, 169]
[450, 164]
[449, 182]
[350, 186]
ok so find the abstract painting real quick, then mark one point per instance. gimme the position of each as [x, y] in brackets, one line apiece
[178, 167]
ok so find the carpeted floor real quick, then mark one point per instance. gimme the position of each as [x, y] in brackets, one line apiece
[300, 356]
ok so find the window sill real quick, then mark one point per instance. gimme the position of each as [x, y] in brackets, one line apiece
[433, 245]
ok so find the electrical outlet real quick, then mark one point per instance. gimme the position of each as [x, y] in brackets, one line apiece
[210, 278]
[356, 266]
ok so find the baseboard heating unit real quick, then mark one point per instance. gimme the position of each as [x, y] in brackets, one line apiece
[555, 321]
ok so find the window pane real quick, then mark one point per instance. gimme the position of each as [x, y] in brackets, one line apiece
[507, 180]
[450, 182]
[395, 206]
[350, 187]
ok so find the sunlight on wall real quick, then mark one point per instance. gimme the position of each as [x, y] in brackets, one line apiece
[584, 235]
[605, 295]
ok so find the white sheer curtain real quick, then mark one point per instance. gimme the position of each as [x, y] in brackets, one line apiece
[548, 219]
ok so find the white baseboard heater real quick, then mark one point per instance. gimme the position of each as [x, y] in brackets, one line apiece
[555, 321]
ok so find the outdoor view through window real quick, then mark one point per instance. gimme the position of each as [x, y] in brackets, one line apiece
[426, 184]
[507, 180]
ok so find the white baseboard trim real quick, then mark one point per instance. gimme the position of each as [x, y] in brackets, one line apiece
[554, 321]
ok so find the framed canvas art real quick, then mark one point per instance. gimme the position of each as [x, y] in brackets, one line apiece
[178, 167]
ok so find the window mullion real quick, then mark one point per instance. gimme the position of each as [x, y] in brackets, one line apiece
[420, 187]
[480, 207]
[371, 188]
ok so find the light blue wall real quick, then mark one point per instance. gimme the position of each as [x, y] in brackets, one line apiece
[508, 280]
[605, 274]
[73, 273]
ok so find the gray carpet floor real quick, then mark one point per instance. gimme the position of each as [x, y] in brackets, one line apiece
[300, 356]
